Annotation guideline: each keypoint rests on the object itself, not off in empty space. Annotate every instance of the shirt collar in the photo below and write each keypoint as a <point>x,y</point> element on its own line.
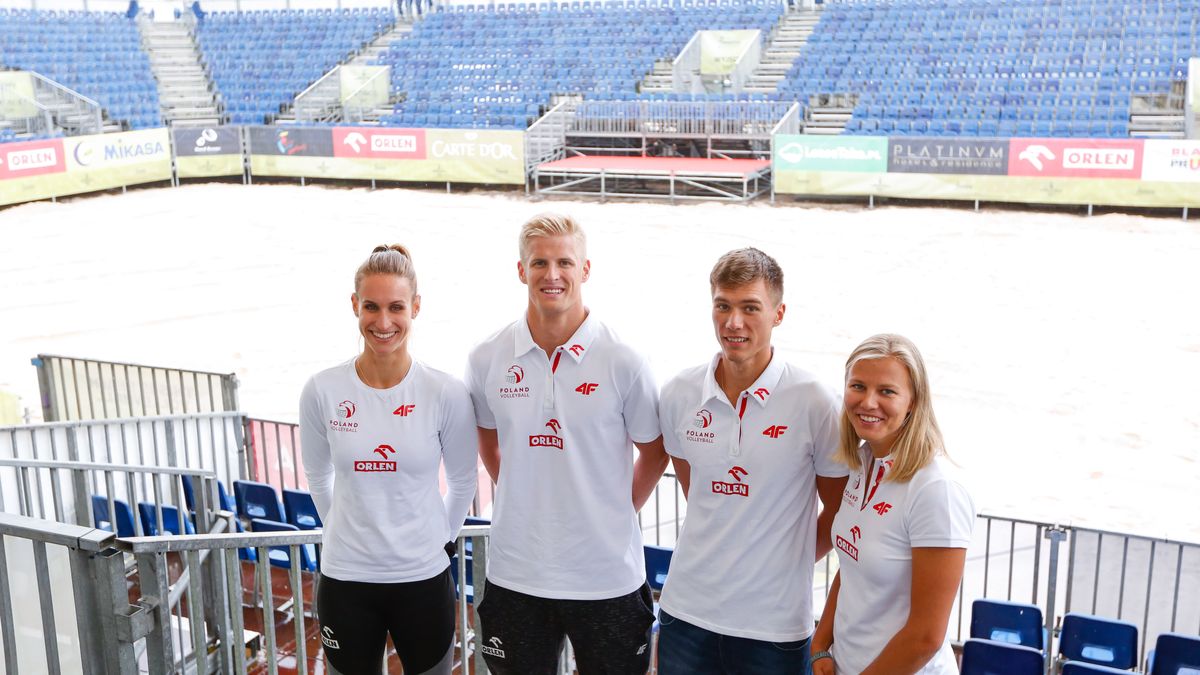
<point>576,347</point>
<point>760,391</point>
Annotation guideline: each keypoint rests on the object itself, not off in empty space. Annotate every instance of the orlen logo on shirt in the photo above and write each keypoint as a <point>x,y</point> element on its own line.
<point>376,466</point>
<point>344,410</point>
<point>739,488</point>
<point>847,548</point>
<point>552,440</point>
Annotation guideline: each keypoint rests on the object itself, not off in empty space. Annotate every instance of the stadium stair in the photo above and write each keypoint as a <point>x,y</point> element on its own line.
<point>185,92</point>
<point>783,48</point>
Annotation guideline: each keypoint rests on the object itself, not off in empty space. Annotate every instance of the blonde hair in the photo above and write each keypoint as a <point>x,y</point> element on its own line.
<point>394,259</point>
<point>552,225</point>
<point>920,439</point>
<point>745,266</point>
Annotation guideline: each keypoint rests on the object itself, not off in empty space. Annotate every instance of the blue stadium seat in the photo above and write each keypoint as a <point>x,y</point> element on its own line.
<point>1175,654</point>
<point>170,517</point>
<point>1011,622</point>
<point>257,500</point>
<point>281,556</point>
<point>985,657</point>
<point>102,519</point>
<point>1097,640</point>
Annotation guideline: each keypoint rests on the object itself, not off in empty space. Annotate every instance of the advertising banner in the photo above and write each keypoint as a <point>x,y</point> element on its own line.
<point>406,155</point>
<point>292,141</point>
<point>720,49</point>
<point>211,151</point>
<point>364,86</point>
<point>16,95</point>
<point>948,155</point>
<point>31,158</point>
<point>1075,158</point>
<point>865,154</point>
<point>1171,161</point>
<point>78,164</point>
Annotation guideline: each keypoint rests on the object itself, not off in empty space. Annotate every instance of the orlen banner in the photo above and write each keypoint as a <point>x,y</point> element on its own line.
<point>1075,158</point>
<point>208,151</point>
<point>383,153</point>
<point>25,169</point>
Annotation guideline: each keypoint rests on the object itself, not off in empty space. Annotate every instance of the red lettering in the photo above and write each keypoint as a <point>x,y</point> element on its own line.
<point>545,441</point>
<point>739,489</point>
<point>847,548</point>
<point>774,431</point>
<point>587,388</point>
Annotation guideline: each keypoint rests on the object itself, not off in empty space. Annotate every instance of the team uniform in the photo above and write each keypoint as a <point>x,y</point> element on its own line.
<point>372,458</point>
<point>564,527</point>
<point>742,567</point>
<point>875,530</point>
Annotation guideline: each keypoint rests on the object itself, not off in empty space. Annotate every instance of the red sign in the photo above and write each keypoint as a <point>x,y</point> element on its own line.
<point>31,158</point>
<point>378,143</point>
<point>1075,158</point>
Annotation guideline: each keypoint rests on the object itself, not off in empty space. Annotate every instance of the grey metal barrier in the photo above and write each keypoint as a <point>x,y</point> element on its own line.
<point>662,515</point>
<point>210,441</point>
<point>48,569</point>
<point>741,119</point>
<point>273,453</point>
<point>84,389</point>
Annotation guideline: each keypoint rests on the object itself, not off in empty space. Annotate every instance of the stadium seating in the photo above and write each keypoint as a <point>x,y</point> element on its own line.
<point>281,556</point>
<point>257,500</point>
<point>261,60</point>
<point>497,66</point>
<point>1012,622</point>
<point>300,509</point>
<point>1097,640</point>
<point>170,517</point>
<point>985,657</point>
<point>102,519</point>
<point>984,68</point>
<point>1175,654</point>
<point>96,54</point>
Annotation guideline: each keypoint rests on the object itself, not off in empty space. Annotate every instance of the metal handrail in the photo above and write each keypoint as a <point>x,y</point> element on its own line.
<point>123,420</point>
<point>50,532</point>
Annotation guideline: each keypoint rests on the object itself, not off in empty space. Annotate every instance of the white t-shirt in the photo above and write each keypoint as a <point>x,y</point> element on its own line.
<point>563,525</point>
<point>874,532</point>
<point>372,459</point>
<point>743,565</point>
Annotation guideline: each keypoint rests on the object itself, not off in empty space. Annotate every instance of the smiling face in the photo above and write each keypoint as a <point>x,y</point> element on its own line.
<point>878,400</point>
<point>385,305</point>
<point>554,271</point>
<point>743,319</point>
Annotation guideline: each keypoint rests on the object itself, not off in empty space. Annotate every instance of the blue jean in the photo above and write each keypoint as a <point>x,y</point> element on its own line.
<point>687,649</point>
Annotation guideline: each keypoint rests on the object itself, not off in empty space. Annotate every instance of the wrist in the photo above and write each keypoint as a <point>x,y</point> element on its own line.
<point>820,654</point>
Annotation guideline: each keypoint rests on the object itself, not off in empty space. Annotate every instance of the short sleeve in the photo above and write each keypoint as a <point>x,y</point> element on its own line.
<point>941,515</point>
<point>825,435</point>
<point>475,378</point>
<point>640,406</point>
<point>668,415</point>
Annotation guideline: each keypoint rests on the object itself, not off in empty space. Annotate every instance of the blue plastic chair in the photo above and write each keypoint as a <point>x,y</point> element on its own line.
<point>170,516</point>
<point>1094,639</point>
<point>257,500</point>
<point>126,527</point>
<point>658,563</point>
<point>1015,623</point>
<point>300,509</point>
<point>1081,668</point>
<point>280,556</point>
<point>1175,654</point>
<point>985,657</point>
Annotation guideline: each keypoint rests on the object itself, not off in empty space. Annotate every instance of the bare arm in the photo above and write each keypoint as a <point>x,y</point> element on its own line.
<point>935,576</point>
<point>647,469</point>
<point>489,452</point>
<point>683,473</point>
<point>829,491</point>
<point>822,639</point>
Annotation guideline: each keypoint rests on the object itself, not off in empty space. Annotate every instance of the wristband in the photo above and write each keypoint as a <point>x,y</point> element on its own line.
<point>817,656</point>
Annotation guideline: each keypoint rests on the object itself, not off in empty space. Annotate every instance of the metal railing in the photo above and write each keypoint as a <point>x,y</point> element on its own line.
<point>744,119</point>
<point>364,99</point>
<point>685,68</point>
<point>83,389</point>
<point>273,453</point>
<point>747,63</point>
<point>322,100</point>
<point>22,114</point>
<point>546,139</point>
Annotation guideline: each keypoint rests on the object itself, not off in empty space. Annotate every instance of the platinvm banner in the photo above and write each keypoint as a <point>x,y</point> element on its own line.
<point>948,155</point>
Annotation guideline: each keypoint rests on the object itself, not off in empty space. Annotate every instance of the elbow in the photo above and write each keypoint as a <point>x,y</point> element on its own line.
<point>926,643</point>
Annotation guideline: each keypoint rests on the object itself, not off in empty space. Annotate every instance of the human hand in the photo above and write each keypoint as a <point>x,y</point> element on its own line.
<point>824,667</point>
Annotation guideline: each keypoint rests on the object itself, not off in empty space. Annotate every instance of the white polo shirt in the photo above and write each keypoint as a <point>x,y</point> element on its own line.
<point>743,565</point>
<point>372,459</point>
<point>874,532</point>
<point>563,524</point>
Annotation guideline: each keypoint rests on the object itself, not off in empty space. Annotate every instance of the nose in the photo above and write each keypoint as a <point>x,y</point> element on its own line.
<point>734,322</point>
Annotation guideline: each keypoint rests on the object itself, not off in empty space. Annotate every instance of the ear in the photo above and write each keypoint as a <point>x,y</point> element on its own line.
<point>416,306</point>
<point>779,313</point>
<point>354,303</point>
<point>587,269</point>
<point>521,272</point>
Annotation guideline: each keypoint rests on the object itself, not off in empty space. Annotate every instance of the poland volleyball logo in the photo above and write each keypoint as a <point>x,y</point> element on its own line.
<point>703,419</point>
<point>515,375</point>
<point>345,410</point>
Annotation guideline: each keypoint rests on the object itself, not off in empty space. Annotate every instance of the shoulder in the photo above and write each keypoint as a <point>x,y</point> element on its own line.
<point>331,377</point>
<point>493,343</point>
<point>939,479</point>
<point>685,384</point>
<point>806,389</point>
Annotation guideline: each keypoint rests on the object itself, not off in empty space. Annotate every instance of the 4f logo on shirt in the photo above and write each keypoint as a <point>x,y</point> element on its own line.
<point>882,508</point>
<point>775,430</point>
<point>587,388</point>
<point>762,393</point>
<point>552,440</point>
<point>739,488</point>
<point>376,466</point>
<point>404,410</point>
<point>494,647</point>
<point>575,349</point>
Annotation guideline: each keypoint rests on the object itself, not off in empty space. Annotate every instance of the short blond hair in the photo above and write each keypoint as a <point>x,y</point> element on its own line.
<point>745,266</point>
<point>552,225</point>
<point>920,439</point>
<point>391,259</point>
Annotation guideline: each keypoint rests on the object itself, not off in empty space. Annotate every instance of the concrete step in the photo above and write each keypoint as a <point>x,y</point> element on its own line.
<point>823,131</point>
<point>211,121</point>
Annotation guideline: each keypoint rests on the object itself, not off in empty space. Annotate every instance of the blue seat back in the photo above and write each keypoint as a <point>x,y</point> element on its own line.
<point>170,517</point>
<point>126,527</point>
<point>985,657</point>
<point>658,563</point>
<point>281,555</point>
<point>300,509</point>
<point>1176,654</point>
<point>1081,668</point>
<point>1016,623</point>
<point>257,500</point>
<point>1094,639</point>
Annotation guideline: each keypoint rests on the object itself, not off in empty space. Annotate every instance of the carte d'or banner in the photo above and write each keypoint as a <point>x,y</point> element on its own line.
<point>403,155</point>
<point>78,164</point>
<point>207,152</point>
<point>1115,172</point>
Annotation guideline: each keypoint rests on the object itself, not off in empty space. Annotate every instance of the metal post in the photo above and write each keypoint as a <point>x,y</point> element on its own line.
<point>112,601</point>
<point>87,617</point>
<point>1056,535</point>
<point>479,548</point>
<point>152,573</point>
<point>50,392</point>
<point>79,486</point>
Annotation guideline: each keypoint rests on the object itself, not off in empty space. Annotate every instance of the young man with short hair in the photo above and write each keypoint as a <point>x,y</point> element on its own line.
<point>752,440</point>
<point>558,398</point>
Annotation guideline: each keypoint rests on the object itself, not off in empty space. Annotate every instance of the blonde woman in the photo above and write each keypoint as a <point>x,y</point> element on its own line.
<point>903,527</point>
